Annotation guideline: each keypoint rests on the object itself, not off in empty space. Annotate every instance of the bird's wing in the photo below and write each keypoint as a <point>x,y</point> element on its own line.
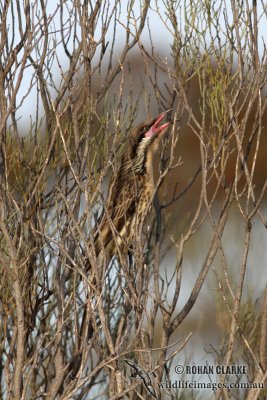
<point>117,214</point>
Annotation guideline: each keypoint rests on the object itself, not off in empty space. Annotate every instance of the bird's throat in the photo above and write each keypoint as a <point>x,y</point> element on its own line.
<point>149,171</point>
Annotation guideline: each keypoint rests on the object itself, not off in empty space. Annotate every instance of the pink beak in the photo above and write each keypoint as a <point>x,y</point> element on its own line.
<point>155,128</point>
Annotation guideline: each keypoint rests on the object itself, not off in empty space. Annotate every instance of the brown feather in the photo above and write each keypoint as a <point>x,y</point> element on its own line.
<point>130,192</point>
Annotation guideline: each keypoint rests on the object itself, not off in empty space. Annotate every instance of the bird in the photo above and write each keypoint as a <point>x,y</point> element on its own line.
<point>128,202</point>
<point>131,189</point>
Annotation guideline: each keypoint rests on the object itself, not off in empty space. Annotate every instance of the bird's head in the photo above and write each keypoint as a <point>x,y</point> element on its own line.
<point>143,139</point>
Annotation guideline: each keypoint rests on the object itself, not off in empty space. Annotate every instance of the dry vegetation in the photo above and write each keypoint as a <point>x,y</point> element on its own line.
<point>54,178</point>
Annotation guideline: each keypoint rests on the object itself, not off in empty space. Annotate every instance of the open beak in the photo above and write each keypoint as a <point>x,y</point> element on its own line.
<point>155,129</point>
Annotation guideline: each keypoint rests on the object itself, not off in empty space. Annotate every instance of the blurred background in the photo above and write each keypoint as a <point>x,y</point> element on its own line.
<point>206,318</point>
<point>145,84</point>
